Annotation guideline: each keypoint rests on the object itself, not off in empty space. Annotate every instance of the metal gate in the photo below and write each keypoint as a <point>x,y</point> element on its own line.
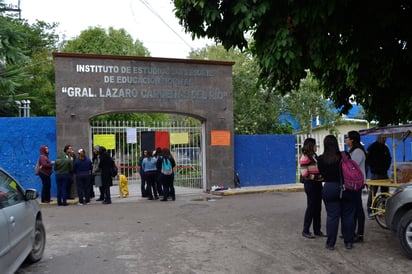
<point>188,155</point>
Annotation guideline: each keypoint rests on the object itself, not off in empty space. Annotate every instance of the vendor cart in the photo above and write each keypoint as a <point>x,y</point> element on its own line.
<point>398,135</point>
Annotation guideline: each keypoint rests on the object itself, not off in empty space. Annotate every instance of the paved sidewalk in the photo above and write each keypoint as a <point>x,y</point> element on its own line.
<point>134,192</point>
<point>259,189</point>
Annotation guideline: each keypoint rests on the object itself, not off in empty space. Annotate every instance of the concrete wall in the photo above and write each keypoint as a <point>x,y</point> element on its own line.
<point>91,85</point>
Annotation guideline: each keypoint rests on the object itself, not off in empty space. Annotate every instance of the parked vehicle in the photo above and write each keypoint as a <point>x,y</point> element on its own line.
<point>22,233</point>
<point>398,215</point>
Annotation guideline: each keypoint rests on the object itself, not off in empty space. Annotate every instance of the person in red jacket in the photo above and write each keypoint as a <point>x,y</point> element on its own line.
<point>45,173</point>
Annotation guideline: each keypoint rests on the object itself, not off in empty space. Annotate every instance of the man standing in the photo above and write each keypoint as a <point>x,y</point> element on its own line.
<point>379,161</point>
<point>68,149</point>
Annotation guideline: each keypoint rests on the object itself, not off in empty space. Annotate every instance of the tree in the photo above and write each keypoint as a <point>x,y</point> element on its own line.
<point>97,40</point>
<point>39,85</point>
<point>12,56</point>
<point>256,110</point>
<point>26,66</point>
<point>307,104</point>
<point>358,48</point>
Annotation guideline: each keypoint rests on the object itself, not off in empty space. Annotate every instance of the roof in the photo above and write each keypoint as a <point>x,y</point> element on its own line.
<point>399,132</point>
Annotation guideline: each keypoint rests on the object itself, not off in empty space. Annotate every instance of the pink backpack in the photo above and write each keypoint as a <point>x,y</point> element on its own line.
<point>351,173</point>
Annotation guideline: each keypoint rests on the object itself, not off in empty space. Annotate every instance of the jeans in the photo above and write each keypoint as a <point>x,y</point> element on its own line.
<point>339,206</point>
<point>61,182</point>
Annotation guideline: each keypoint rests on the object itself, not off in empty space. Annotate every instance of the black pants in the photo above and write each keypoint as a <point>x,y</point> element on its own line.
<point>313,192</point>
<point>83,189</point>
<point>168,186</point>
<point>151,189</point>
<point>46,187</point>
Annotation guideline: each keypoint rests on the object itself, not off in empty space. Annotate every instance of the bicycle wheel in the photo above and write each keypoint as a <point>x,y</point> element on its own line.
<point>379,209</point>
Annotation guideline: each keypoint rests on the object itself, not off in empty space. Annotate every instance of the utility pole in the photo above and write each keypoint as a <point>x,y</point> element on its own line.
<point>13,8</point>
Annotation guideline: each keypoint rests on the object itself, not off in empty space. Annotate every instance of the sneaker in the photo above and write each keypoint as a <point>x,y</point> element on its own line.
<point>80,204</point>
<point>370,216</point>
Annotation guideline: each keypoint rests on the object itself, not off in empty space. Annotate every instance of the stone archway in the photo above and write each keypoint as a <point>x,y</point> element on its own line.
<point>91,85</point>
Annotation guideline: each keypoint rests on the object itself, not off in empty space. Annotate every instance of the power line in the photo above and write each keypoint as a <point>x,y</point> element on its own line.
<point>152,10</point>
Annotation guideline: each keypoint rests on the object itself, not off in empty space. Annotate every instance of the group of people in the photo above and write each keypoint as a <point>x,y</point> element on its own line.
<point>156,173</point>
<point>322,179</point>
<point>69,168</point>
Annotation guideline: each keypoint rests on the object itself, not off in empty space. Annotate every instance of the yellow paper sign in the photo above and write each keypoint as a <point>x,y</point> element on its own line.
<point>220,138</point>
<point>106,140</point>
<point>179,138</point>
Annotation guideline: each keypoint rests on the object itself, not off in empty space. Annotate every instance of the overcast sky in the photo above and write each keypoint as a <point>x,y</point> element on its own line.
<point>142,19</point>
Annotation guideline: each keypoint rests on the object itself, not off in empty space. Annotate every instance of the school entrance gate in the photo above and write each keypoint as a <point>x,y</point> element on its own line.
<point>185,140</point>
<point>92,85</point>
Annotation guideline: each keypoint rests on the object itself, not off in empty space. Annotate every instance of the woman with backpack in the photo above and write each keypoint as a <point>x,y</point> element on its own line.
<point>358,154</point>
<point>166,165</point>
<point>339,204</point>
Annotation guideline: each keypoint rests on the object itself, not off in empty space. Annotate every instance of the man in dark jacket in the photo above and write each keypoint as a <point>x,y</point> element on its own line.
<point>379,161</point>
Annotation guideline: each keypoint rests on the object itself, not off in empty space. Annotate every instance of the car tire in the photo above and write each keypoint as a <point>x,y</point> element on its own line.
<point>405,233</point>
<point>39,243</point>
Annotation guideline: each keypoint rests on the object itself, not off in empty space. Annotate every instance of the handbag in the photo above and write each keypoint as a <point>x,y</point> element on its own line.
<point>37,168</point>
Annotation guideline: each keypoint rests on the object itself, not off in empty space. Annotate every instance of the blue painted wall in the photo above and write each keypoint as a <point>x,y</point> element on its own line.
<point>20,141</point>
<point>259,160</point>
<point>265,159</point>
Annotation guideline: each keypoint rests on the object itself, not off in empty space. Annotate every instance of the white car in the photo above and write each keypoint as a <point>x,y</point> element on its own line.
<point>22,233</point>
<point>398,214</point>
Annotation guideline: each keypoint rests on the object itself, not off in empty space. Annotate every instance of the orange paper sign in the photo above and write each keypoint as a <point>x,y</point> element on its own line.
<point>220,138</point>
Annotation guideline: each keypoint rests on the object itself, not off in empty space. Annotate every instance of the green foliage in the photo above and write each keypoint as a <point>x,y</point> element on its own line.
<point>146,118</point>
<point>358,48</point>
<point>256,110</point>
<point>307,103</point>
<point>21,68</point>
<point>97,40</point>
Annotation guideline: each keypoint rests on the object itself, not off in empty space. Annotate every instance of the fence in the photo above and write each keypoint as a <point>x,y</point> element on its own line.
<point>127,151</point>
<point>300,138</point>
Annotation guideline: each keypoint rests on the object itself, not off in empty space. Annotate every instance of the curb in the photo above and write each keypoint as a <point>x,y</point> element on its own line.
<point>240,191</point>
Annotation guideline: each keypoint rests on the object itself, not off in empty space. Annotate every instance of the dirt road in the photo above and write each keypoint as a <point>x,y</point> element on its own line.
<point>254,233</point>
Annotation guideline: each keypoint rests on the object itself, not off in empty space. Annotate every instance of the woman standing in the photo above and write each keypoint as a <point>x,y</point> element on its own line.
<point>167,176</point>
<point>63,168</point>
<point>150,173</point>
<point>143,185</point>
<point>339,204</point>
<point>312,181</point>
<point>358,154</point>
<point>106,165</point>
<point>82,168</point>
<point>45,173</point>
<point>97,172</point>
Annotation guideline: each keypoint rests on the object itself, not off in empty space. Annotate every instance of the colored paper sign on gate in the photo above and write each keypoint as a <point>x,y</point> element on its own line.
<point>106,140</point>
<point>131,135</point>
<point>179,138</point>
<point>220,138</point>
